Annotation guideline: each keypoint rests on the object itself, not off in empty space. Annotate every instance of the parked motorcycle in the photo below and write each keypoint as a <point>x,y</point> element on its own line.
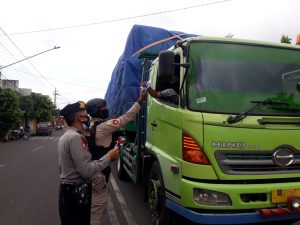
<point>13,135</point>
<point>23,134</point>
<point>17,134</point>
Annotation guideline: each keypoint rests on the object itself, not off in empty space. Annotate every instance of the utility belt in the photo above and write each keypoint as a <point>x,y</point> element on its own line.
<point>81,192</point>
<point>67,187</point>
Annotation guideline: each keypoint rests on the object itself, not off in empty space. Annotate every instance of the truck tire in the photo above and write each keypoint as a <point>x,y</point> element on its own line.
<point>156,197</point>
<point>121,173</point>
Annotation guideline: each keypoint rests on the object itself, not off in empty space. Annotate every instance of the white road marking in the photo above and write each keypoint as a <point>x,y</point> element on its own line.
<point>128,216</point>
<point>1,165</point>
<point>44,138</point>
<point>38,148</point>
<point>112,212</point>
<point>36,138</point>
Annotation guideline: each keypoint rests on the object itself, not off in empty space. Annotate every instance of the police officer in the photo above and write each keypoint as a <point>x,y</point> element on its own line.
<point>75,165</point>
<point>97,109</point>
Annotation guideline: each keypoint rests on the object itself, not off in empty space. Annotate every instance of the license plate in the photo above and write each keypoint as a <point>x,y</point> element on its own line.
<point>281,195</point>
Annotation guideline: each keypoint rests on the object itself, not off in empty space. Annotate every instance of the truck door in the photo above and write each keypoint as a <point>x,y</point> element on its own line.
<point>164,135</point>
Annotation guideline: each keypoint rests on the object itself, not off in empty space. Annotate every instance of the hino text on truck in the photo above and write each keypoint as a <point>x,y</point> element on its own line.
<point>228,151</point>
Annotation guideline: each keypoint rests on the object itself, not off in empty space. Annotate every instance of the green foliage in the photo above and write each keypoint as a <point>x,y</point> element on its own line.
<point>9,110</point>
<point>285,39</point>
<point>42,107</point>
<point>55,112</point>
<point>13,106</point>
<point>26,105</point>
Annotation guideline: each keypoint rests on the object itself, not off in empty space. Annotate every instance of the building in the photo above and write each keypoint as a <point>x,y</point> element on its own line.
<point>11,84</point>
<point>25,91</point>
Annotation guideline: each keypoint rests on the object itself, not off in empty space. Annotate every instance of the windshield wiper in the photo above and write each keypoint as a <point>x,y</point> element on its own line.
<point>242,115</point>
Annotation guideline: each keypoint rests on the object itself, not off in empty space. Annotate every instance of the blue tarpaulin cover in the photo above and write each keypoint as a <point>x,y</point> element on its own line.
<point>124,86</point>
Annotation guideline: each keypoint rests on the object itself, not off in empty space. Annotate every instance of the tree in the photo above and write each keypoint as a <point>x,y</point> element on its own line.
<point>285,39</point>
<point>9,110</point>
<point>42,107</point>
<point>56,112</point>
<point>26,105</point>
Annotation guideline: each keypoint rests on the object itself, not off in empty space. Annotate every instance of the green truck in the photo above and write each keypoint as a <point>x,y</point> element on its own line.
<point>228,152</point>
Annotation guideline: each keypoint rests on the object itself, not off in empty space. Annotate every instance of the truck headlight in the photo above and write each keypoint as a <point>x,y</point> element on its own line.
<point>211,198</point>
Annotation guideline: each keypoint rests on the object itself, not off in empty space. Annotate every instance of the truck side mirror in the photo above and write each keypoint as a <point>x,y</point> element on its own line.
<point>165,69</point>
<point>166,65</point>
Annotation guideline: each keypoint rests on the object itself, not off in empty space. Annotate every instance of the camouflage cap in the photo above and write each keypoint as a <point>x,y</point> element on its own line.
<point>73,108</point>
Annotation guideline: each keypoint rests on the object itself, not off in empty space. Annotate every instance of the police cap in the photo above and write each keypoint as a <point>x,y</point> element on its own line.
<point>73,108</point>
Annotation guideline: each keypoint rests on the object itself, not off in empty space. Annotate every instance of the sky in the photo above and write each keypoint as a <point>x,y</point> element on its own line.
<point>92,34</point>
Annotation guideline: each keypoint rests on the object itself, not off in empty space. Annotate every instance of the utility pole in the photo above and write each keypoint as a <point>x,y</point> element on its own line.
<point>55,93</point>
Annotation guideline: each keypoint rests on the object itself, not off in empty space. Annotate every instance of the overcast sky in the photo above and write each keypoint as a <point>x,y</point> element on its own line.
<point>92,35</point>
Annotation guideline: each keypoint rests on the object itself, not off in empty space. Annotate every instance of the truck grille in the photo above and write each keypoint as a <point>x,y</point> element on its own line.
<point>254,162</point>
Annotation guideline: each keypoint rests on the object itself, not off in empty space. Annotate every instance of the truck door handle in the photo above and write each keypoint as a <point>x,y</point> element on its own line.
<point>154,124</point>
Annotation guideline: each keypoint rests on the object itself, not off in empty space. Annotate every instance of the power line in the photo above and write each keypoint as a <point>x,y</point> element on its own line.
<point>20,77</point>
<point>25,56</point>
<point>75,84</point>
<point>16,60</point>
<point>62,81</point>
<point>121,19</point>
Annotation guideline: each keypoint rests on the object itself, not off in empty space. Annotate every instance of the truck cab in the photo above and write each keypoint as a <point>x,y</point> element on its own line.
<point>229,150</point>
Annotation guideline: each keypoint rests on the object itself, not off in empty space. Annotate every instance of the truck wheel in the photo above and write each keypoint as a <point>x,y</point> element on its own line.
<point>121,173</point>
<point>156,197</point>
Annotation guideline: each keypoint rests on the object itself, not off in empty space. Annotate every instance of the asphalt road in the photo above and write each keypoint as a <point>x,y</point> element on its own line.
<point>29,181</point>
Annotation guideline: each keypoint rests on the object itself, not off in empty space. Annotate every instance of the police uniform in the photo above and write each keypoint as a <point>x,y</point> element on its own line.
<point>104,130</point>
<point>103,138</point>
<point>75,167</point>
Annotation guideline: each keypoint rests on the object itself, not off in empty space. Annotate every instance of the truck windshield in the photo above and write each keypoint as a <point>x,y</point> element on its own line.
<point>228,78</point>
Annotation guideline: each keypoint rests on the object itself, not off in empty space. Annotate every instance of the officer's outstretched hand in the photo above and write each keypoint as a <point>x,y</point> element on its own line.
<point>143,95</point>
<point>114,153</point>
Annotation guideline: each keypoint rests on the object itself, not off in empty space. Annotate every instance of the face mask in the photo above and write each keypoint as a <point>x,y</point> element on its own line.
<point>87,122</point>
<point>83,119</point>
<point>103,113</point>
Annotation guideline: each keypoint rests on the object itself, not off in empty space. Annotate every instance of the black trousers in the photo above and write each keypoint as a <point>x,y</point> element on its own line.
<point>69,211</point>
